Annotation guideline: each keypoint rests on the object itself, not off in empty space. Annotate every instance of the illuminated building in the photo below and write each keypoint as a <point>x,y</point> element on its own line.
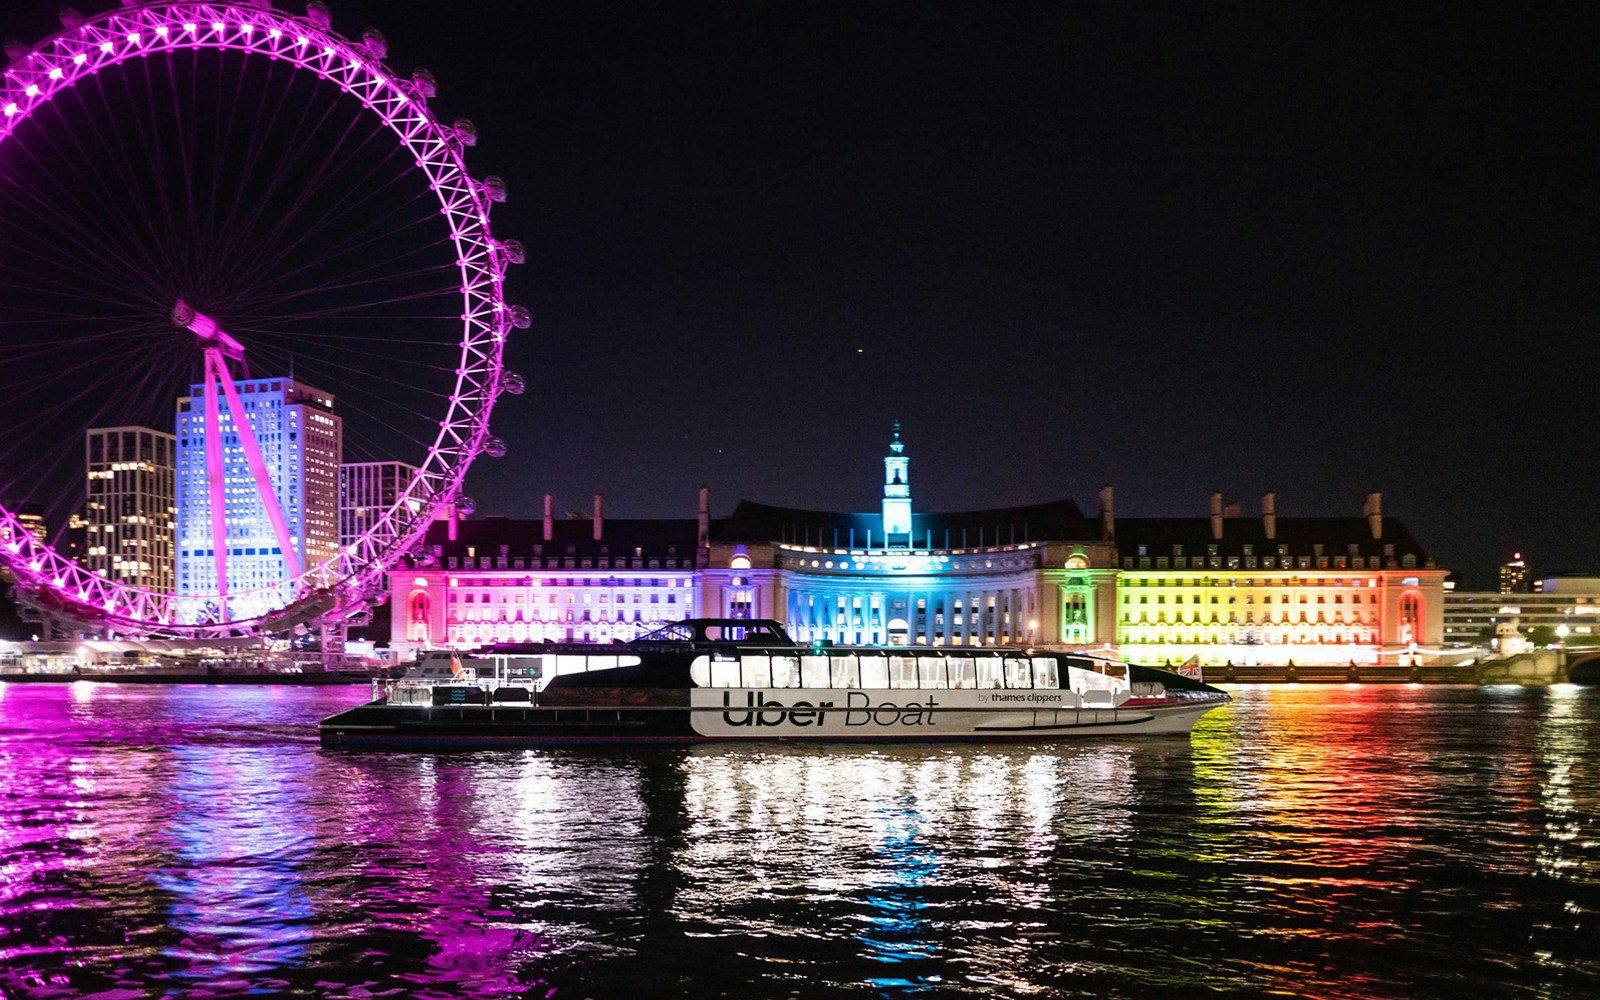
<point>130,513</point>
<point>1272,589</point>
<point>1155,590</point>
<point>583,580</point>
<point>366,490</point>
<point>1514,575</point>
<point>301,443</point>
<point>32,519</point>
<point>1566,607</point>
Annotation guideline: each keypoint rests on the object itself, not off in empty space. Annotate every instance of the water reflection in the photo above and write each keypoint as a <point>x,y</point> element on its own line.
<point>1342,842</point>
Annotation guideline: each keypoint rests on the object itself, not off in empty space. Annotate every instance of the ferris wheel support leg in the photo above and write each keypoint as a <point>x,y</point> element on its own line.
<point>258,469</point>
<point>214,479</point>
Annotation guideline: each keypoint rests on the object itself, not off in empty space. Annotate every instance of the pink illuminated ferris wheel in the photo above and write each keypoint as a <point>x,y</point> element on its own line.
<point>251,318</point>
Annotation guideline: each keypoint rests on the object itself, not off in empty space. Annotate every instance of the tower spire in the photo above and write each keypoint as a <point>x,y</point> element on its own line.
<point>896,491</point>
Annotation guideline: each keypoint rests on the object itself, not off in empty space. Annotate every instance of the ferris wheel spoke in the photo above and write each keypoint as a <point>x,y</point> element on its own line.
<point>273,250</point>
<point>112,266</point>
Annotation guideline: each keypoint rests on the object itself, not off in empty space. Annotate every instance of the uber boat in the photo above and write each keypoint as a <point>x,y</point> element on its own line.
<point>741,679</point>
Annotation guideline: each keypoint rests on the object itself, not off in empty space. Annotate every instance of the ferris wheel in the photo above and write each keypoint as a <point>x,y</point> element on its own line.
<point>239,256</point>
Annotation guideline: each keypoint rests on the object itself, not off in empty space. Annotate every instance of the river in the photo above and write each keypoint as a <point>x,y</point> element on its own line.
<point>1343,841</point>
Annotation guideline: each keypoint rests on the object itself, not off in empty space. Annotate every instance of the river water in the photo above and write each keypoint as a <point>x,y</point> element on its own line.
<point>1356,841</point>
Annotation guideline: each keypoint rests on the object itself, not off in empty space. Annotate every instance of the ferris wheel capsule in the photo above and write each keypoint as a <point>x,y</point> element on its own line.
<point>14,49</point>
<point>515,252</point>
<point>318,14</point>
<point>494,187</point>
<point>70,18</point>
<point>423,83</point>
<point>466,506</point>
<point>466,133</point>
<point>521,318</point>
<point>373,41</point>
<point>513,383</point>
<point>494,447</point>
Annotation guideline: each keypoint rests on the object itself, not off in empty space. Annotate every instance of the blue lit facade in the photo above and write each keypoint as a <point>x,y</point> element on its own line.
<point>301,441</point>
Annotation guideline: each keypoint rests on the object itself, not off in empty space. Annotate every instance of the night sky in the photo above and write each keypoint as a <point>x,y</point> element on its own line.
<point>1319,249</point>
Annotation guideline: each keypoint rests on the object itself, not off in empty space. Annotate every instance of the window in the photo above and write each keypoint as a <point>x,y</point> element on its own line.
<point>845,671</point>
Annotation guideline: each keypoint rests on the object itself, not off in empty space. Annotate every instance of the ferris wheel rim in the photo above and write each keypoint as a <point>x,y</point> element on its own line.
<point>88,45</point>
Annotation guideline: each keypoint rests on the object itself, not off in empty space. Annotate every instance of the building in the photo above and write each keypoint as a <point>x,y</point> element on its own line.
<point>584,580</point>
<point>1155,590</point>
<point>31,517</point>
<point>1561,609</point>
<point>366,490</point>
<point>301,443</point>
<point>1303,590</point>
<point>1514,575</point>
<point>130,511</point>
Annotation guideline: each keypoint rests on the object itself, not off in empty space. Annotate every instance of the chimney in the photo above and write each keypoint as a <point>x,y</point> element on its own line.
<point>549,519</point>
<point>1216,516</point>
<point>1373,508</point>
<point>1108,517</point>
<point>1269,515</point>
<point>703,525</point>
<point>599,521</point>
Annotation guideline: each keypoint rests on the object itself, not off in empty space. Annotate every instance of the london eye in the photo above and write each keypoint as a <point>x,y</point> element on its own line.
<point>237,250</point>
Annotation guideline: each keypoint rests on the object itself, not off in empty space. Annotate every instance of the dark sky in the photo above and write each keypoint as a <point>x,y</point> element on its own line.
<point>1320,249</point>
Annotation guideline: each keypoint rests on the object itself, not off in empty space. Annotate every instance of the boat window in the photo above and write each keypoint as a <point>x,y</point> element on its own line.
<point>1019,672</point>
<point>785,671</point>
<point>846,671</point>
<point>602,662</point>
<point>814,671</point>
<point>725,673</point>
<point>1044,672</point>
<point>874,671</point>
<point>700,671</point>
<point>757,670</point>
<point>903,671</point>
<point>961,672</point>
<point>989,675</point>
<point>571,664</point>
<point>930,671</point>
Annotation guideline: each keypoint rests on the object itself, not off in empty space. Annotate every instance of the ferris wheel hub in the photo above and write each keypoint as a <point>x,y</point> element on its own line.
<point>212,336</point>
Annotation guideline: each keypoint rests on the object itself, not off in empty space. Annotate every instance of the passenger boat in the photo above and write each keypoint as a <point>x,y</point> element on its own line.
<point>741,679</point>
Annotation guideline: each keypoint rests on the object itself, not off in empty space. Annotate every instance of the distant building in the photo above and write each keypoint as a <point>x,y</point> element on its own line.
<point>130,512</point>
<point>32,518</point>
<point>1221,588</point>
<point>366,490</point>
<point>1567,607</point>
<point>301,442</point>
<point>1514,575</point>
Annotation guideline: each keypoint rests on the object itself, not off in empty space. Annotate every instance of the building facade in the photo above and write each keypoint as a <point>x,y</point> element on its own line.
<point>131,511</point>
<point>1221,588</point>
<point>1560,609</point>
<point>499,580</point>
<point>301,442</point>
<point>366,490</point>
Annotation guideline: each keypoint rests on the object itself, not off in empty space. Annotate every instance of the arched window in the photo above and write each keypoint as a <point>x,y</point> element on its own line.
<point>1410,617</point>
<point>417,608</point>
